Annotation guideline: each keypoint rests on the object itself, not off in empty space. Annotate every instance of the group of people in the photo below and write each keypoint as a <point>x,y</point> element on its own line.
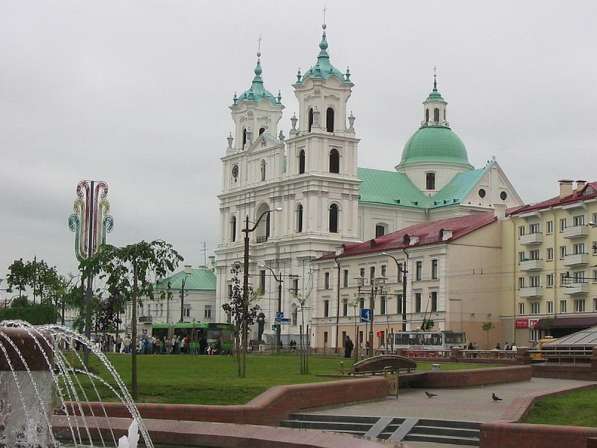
<point>151,345</point>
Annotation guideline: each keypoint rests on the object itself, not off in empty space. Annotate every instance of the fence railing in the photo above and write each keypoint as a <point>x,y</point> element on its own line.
<point>564,355</point>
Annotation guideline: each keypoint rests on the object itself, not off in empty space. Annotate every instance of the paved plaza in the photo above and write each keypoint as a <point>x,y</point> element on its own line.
<point>463,404</point>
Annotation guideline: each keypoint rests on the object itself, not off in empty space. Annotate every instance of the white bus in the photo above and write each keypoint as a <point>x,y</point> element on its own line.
<point>429,340</point>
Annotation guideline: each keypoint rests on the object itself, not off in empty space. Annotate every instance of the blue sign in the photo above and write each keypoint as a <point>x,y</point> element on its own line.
<point>279,315</point>
<point>366,315</point>
<point>285,321</point>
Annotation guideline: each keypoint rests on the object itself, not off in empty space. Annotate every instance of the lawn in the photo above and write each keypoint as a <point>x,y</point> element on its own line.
<point>576,408</point>
<point>214,380</point>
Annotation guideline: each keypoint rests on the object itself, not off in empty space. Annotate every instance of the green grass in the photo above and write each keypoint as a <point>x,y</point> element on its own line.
<point>576,408</point>
<point>214,379</point>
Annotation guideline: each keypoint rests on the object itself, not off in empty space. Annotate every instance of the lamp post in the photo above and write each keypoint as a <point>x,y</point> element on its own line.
<point>188,271</point>
<point>247,230</point>
<point>401,270</point>
<point>355,305</point>
<point>279,280</point>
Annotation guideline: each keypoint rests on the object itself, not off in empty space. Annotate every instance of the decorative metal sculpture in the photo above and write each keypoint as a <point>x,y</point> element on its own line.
<point>91,220</point>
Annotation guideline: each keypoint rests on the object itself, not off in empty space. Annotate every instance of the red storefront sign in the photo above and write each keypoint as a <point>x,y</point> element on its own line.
<point>521,323</point>
<point>533,323</point>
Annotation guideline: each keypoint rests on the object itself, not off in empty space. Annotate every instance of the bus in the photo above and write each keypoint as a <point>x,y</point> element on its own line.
<point>217,335</point>
<point>429,340</point>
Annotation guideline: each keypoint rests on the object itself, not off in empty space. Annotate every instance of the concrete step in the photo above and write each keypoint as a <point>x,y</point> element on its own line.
<point>333,418</point>
<point>449,423</point>
<point>445,431</point>
<point>351,427</point>
<point>469,441</point>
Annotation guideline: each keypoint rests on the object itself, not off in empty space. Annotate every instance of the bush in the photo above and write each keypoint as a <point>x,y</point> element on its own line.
<point>38,314</point>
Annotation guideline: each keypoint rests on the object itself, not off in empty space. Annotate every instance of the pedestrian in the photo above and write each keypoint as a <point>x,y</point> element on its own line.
<point>348,346</point>
<point>498,346</point>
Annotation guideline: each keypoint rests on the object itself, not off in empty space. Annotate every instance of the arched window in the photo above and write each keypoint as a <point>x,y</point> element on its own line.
<point>430,181</point>
<point>263,229</point>
<point>310,118</point>
<point>261,131</point>
<point>426,115</point>
<point>233,229</point>
<point>262,170</point>
<point>436,114</point>
<point>333,218</point>
<point>334,161</point>
<point>299,218</point>
<point>329,120</point>
<point>302,161</point>
<point>244,136</point>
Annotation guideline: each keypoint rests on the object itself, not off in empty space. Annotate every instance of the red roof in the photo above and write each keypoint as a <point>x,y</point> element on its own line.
<point>426,233</point>
<point>588,192</point>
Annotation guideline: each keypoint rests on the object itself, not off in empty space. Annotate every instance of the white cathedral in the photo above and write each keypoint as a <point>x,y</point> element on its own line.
<point>318,196</point>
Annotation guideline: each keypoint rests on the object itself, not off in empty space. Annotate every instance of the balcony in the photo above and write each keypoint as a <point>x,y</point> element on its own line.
<point>576,259</point>
<point>575,288</point>
<point>531,238</point>
<point>575,232</point>
<point>531,265</point>
<point>531,291</point>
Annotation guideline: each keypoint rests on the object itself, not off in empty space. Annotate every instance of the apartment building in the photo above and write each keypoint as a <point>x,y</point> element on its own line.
<point>453,278</point>
<point>550,265</point>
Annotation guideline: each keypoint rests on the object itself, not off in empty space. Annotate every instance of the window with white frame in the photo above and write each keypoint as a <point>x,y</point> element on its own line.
<point>562,224</point>
<point>549,280</point>
<point>563,306</point>
<point>579,248</point>
<point>326,280</point>
<point>579,305</point>
<point>534,228</point>
<point>595,275</point>
<point>521,256</point>
<point>534,254</point>
<point>521,230</point>
<point>521,308</point>
<point>549,253</point>
<point>326,308</point>
<point>549,226</point>
<point>207,312</point>
<point>384,269</point>
<point>562,251</point>
<point>535,308</point>
<point>549,304</point>
<point>521,282</point>
<point>534,281</point>
<point>578,220</point>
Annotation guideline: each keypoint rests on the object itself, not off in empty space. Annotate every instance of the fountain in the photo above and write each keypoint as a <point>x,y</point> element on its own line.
<point>41,374</point>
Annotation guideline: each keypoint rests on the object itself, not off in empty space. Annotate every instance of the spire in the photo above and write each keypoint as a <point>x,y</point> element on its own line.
<point>434,78</point>
<point>323,45</point>
<point>258,70</point>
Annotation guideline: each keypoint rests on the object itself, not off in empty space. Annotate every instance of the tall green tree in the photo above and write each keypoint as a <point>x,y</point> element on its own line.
<point>131,271</point>
<point>19,276</point>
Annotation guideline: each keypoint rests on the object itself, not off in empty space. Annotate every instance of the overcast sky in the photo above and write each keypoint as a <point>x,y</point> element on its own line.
<point>136,93</point>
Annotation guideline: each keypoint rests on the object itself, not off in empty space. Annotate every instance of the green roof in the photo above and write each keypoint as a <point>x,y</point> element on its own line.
<point>394,188</point>
<point>389,187</point>
<point>200,279</point>
<point>324,69</point>
<point>434,144</point>
<point>257,91</point>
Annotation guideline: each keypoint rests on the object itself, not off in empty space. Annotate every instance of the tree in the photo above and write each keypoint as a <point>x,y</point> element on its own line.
<point>43,280</point>
<point>18,276</point>
<point>242,317</point>
<point>487,327</point>
<point>129,271</point>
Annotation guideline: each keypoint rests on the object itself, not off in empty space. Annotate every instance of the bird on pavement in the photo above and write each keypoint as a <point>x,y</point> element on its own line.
<point>430,395</point>
<point>494,397</point>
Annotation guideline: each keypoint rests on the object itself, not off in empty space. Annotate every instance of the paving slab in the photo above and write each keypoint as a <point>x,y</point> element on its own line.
<point>462,404</point>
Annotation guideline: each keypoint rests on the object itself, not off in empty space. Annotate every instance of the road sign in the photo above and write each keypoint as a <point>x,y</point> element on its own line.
<point>366,315</point>
<point>279,315</point>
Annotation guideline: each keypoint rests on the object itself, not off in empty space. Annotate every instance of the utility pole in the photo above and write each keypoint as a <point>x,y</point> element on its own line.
<point>337,303</point>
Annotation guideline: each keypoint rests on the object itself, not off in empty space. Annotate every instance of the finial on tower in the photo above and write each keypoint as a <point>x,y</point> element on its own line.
<point>324,26</point>
<point>434,78</point>
<point>259,46</point>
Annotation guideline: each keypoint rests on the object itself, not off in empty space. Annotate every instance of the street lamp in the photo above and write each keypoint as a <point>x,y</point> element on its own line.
<point>404,271</point>
<point>277,278</point>
<point>188,271</point>
<point>247,230</point>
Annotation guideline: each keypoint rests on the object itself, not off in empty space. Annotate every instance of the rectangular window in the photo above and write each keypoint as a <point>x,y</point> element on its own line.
<point>535,281</point>
<point>419,270</point>
<point>521,257</point>
<point>562,252</point>
<point>295,287</point>
<point>579,305</point>
<point>384,270</point>
<point>401,269</point>
<point>433,301</point>
<point>550,253</point>
<point>380,230</point>
<point>562,224</point>
<point>534,228</point>
<point>521,282</point>
<point>535,308</point>
<point>579,248</point>
<point>262,280</point>
<point>594,220</point>
<point>562,306</point>
<point>372,275</point>
<point>549,226</point>
<point>326,280</point>
<point>362,273</point>
<point>345,307</point>
<point>578,220</point>
<point>563,278</point>
<point>579,277</point>
<point>549,307</point>
<point>345,279</point>
<point>521,230</point>
<point>434,269</point>
<point>207,312</point>
<point>382,310</point>
<point>430,180</point>
<point>325,338</point>
<point>361,303</point>
<point>417,302</point>
<point>326,308</point>
<point>534,254</point>
<point>521,308</point>
<point>549,280</point>
<point>361,337</point>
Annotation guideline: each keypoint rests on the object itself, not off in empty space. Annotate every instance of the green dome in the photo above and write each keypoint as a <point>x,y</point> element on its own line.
<point>434,144</point>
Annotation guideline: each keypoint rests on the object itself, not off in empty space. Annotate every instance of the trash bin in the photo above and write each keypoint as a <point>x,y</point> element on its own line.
<point>435,367</point>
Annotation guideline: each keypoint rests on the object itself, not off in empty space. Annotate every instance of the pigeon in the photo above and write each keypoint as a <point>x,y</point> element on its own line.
<point>430,395</point>
<point>494,397</point>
